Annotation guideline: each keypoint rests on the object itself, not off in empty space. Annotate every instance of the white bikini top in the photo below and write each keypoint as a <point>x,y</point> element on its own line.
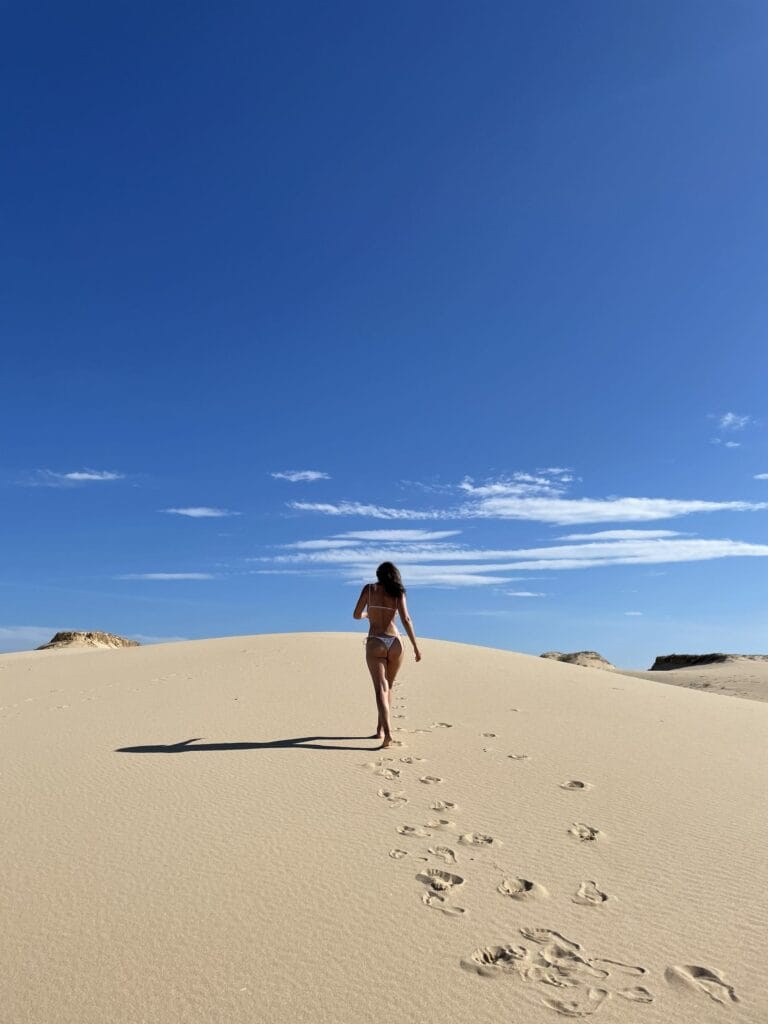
<point>385,607</point>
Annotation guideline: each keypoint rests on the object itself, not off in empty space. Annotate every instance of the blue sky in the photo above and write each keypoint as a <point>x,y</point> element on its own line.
<point>494,272</point>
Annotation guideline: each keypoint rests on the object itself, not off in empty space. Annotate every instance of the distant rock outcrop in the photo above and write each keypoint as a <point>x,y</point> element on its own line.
<point>587,659</point>
<point>665,662</point>
<point>89,639</point>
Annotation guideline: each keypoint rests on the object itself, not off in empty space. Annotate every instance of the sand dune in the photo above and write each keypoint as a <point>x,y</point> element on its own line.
<point>201,832</point>
<point>738,676</point>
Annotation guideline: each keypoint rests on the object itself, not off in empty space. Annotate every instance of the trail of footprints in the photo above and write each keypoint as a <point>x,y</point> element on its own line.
<point>566,978</point>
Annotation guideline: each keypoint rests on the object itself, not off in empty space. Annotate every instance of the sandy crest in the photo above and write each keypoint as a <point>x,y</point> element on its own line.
<point>739,677</point>
<point>197,832</point>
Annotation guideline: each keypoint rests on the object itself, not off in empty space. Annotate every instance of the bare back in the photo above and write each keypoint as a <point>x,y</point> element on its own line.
<point>382,609</point>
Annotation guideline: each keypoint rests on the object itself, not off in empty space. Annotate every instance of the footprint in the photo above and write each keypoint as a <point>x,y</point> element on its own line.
<point>476,839</point>
<point>493,960</point>
<point>430,780</point>
<point>586,833</point>
<point>702,979</point>
<point>619,967</point>
<point>442,725</point>
<point>521,888</point>
<point>414,831</point>
<point>438,902</point>
<point>490,735</point>
<point>542,935</point>
<point>445,853</point>
<point>636,995</point>
<point>440,823</point>
<point>443,805</point>
<point>584,1005</point>
<point>576,785</point>
<point>439,880</point>
<point>589,894</point>
<point>393,799</point>
<point>519,757</point>
<point>411,760</point>
<point>398,854</point>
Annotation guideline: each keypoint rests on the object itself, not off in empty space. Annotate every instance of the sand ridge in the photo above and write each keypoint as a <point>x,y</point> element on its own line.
<point>589,848</point>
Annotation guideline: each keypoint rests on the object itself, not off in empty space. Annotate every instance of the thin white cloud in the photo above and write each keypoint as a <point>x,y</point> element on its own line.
<point>555,510</point>
<point>622,535</point>
<point>760,476</point>
<point>523,593</point>
<point>398,535</point>
<point>49,478</point>
<point>166,576</point>
<point>633,613</point>
<point>733,421</point>
<point>200,512</point>
<point>357,508</point>
<point>296,476</point>
<point>575,511</point>
<point>322,545</point>
<point>24,638</point>
<point>431,557</point>
<point>517,484</point>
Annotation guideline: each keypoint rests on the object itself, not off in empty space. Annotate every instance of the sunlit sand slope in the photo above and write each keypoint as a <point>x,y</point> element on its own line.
<point>200,833</point>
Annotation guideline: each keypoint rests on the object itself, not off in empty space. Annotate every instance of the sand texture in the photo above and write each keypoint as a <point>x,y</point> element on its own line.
<point>199,833</point>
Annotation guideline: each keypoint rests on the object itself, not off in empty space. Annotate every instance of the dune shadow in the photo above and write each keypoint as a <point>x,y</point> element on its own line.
<point>297,742</point>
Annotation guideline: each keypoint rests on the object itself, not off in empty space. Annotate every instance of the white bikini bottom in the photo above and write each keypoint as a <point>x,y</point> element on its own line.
<point>386,640</point>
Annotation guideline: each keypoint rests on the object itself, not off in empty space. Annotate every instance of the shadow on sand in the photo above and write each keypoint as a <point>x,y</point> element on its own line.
<point>299,742</point>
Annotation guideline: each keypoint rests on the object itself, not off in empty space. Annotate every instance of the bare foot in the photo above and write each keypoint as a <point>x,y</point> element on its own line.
<point>387,742</point>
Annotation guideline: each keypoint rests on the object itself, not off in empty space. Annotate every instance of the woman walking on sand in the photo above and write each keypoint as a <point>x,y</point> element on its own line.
<point>380,603</point>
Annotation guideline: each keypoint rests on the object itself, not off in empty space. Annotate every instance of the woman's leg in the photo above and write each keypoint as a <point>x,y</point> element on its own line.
<point>394,661</point>
<point>376,659</point>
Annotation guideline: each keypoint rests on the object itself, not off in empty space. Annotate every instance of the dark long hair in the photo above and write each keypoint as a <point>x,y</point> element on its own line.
<point>388,576</point>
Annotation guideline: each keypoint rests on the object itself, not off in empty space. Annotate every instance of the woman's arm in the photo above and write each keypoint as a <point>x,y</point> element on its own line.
<point>405,618</point>
<point>362,601</point>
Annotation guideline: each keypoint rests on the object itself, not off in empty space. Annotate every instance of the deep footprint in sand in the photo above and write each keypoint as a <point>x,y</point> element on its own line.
<point>439,823</point>
<point>575,785</point>
<point>585,833</point>
<point>445,853</point>
<point>413,831</point>
<point>589,895</point>
<point>519,757</point>
<point>398,854</point>
<point>393,799</point>
<point>410,759</point>
<point>477,839</point>
<point>706,980</point>
<point>439,880</point>
<point>636,995</point>
<point>442,725</point>
<point>430,780</point>
<point>438,902</point>
<point>490,735</point>
<point>521,888</point>
<point>443,805</point>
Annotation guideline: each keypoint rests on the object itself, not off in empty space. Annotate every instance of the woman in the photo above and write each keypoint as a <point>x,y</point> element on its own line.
<point>383,648</point>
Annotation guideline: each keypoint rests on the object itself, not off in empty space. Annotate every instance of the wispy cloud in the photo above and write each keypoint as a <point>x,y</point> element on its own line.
<point>49,478</point>
<point>622,535</point>
<point>422,561</point>
<point>761,476</point>
<point>200,512</point>
<point>733,421</point>
<point>296,476</point>
<point>166,576</point>
<point>23,638</point>
<point>558,511</point>
<point>633,613</point>
<point>725,444</point>
<point>396,536</point>
<point>523,593</point>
